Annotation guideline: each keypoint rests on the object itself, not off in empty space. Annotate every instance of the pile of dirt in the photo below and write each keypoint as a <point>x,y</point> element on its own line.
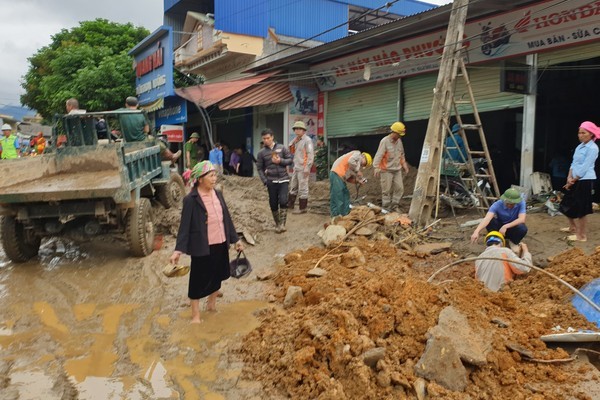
<point>370,298</point>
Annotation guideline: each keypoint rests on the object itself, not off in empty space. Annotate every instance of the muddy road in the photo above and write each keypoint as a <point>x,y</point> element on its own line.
<point>86,321</point>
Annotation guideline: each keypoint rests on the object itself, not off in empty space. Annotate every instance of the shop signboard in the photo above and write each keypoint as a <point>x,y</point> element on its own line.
<point>153,65</point>
<point>514,78</point>
<point>174,133</point>
<point>173,112</point>
<point>538,27</point>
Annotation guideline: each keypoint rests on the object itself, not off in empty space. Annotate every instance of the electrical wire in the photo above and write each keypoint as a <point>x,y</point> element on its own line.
<point>574,290</point>
<point>420,62</point>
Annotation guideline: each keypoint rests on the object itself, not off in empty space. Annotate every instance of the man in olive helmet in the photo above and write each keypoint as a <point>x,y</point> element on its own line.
<point>389,162</point>
<point>304,156</point>
<point>495,273</point>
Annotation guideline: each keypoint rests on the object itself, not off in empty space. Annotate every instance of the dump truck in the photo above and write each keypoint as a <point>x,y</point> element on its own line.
<point>83,185</point>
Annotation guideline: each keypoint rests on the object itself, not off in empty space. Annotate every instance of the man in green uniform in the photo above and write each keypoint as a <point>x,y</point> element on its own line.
<point>193,153</point>
<point>135,128</point>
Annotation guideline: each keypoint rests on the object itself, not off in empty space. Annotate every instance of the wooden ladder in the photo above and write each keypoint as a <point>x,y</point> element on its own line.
<point>483,198</point>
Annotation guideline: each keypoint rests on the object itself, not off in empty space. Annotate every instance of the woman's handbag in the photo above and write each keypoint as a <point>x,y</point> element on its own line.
<point>240,267</point>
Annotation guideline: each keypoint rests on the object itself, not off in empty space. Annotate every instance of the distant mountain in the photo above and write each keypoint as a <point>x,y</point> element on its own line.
<point>17,112</point>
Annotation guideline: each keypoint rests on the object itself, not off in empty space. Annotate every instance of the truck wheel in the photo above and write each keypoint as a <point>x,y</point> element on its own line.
<point>171,194</point>
<point>19,245</point>
<point>140,228</point>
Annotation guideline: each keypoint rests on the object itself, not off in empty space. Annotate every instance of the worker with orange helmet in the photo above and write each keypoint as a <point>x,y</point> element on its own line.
<point>389,162</point>
<point>346,168</point>
<point>495,267</point>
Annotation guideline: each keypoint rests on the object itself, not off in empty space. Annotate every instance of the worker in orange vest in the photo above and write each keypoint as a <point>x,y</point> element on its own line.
<point>388,163</point>
<point>346,168</point>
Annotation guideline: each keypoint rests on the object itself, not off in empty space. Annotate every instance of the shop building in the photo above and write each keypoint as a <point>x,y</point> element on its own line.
<point>221,39</point>
<point>533,66</point>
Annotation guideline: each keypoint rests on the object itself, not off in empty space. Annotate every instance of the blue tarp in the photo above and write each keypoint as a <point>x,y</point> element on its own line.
<point>592,292</point>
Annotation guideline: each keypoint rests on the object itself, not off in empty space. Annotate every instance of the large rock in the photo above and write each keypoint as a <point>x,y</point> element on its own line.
<point>441,363</point>
<point>333,234</point>
<point>453,327</point>
<point>293,295</point>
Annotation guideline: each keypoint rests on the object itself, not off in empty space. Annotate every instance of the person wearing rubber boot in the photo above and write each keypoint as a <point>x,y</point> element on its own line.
<point>346,168</point>
<point>303,161</point>
<point>272,162</point>
<point>389,162</point>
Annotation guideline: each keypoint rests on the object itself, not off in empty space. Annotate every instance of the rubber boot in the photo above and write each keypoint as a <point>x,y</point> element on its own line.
<point>277,220</point>
<point>291,201</point>
<point>302,208</point>
<point>282,219</point>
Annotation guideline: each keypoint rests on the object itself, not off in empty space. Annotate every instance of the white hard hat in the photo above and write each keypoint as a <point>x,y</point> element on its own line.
<point>6,127</point>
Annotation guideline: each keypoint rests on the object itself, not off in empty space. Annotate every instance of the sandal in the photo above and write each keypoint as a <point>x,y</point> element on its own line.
<point>566,229</point>
<point>573,238</point>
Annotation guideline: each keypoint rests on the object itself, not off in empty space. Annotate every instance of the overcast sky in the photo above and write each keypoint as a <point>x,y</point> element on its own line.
<point>27,25</point>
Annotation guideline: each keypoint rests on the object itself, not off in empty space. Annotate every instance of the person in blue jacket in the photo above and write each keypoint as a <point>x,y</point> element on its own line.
<point>455,146</point>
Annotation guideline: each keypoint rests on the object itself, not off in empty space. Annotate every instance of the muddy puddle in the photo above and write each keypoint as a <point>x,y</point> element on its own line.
<point>84,321</point>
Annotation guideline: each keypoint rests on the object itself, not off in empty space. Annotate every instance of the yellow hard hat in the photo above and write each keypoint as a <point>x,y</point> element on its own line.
<point>368,158</point>
<point>399,128</point>
<point>495,234</point>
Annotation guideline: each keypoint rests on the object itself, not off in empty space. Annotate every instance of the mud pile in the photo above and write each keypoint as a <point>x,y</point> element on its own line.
<point>318,346</point>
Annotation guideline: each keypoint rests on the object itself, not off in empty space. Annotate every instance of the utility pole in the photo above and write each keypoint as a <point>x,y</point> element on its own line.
<point>427,183</point>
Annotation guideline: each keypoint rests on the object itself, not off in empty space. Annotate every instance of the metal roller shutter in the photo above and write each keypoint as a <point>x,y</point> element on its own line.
<point>569,54</point>
<point>485,81</point>
<point>364,110</point>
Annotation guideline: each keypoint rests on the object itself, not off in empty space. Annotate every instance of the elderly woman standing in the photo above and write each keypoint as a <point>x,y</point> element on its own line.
<point>577,202</point>
<point>205,233</point>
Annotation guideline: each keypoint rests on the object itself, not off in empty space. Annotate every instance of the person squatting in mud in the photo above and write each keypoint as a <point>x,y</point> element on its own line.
<point>205,233</point>
<point>496,273</point>
<point>272,162</point>
<point>506,216</point>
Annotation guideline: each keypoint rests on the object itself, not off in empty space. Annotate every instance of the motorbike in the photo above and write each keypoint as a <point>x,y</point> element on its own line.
<point>493,37</point>
<point>456,192</point>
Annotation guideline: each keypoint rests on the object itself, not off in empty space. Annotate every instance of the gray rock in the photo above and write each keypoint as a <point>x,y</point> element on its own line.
<point>440,363</point>
<point>370,357</point>
<point>454,328</point>
<point>293,295</point>
<point>353,258</point>
<point>316,272</point>
<point>332,234</point>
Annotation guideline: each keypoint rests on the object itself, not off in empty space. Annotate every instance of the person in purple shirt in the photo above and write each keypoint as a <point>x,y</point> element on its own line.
<point>235,160</point>
<point>506,216</point>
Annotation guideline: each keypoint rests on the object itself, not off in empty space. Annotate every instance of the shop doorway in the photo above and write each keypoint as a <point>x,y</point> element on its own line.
<point>566,96</point>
